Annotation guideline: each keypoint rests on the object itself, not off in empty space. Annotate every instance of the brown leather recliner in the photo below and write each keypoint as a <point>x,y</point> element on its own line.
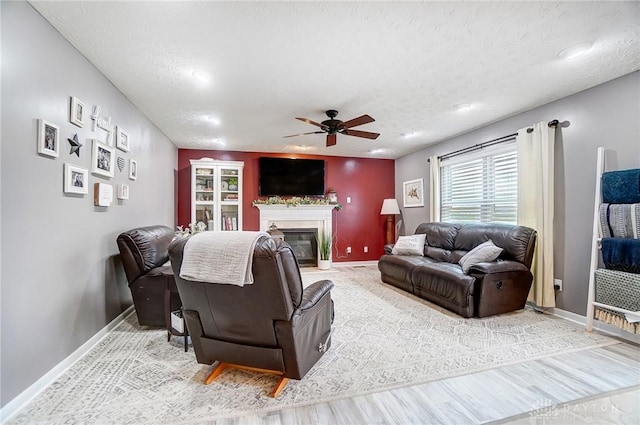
<point>144,250</point>
<point>272,325</point>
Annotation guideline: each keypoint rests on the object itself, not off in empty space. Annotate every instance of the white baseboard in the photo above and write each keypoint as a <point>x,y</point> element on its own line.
<point>597,325</point>
<point>37,387</point>
<point>354,263</point>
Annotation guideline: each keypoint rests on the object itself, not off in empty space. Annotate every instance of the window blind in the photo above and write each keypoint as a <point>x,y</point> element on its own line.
<point>481,187</point>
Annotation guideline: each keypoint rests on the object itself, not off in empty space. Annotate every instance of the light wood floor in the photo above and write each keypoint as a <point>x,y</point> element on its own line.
<point>597,386</point>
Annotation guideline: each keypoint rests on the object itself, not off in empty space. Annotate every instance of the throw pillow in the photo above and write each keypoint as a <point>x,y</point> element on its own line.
<point>409,245</point>
<point>484,252</point>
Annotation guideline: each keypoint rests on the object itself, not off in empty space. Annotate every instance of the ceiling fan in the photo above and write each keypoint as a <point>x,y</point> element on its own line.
<point>333,126</point>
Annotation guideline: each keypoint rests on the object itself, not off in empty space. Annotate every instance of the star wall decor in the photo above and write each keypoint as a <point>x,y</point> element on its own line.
<point>75,145</point>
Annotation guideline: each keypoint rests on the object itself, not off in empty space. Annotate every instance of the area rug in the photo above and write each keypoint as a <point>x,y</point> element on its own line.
<point>384,338</point>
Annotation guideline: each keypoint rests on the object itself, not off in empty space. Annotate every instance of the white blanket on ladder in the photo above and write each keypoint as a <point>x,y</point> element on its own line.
<point>220,257</point>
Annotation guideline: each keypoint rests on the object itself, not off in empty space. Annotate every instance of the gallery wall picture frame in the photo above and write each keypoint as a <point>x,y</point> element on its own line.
<point>76,179</point>
<point>48,138</point>
<point>77,112</point>
<point>133,169</point>
<point>102,194</point>
<point>413,193</point>
<point>122,139</point>
<point>103,159</point>
<point>123,191</point>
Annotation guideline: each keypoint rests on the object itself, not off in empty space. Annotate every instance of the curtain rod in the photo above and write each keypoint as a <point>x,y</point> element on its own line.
<point>503,139</point>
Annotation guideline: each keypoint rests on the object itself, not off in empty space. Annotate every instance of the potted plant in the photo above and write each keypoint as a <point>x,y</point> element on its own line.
<point>233,183</point>
<point>325,252</point>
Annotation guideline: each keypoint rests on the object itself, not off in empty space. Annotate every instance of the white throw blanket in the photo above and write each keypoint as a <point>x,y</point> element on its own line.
<point>220,257</point>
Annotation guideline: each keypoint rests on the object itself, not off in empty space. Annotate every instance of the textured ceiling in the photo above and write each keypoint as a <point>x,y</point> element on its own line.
<point>407,64</point>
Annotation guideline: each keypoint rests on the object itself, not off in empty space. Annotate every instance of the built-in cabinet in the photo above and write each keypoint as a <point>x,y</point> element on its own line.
<point>216,194</point>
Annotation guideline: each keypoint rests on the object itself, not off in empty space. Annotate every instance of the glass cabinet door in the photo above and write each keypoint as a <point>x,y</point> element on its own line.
<point>229,198</point>
<point>204,197</point>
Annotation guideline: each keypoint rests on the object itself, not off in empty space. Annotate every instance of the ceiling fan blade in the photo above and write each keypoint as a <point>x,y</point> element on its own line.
<point>308,121</point>
<point>364,119</point>
<point>358,133</point>
<point>331,139</point>
<point>303,134</point>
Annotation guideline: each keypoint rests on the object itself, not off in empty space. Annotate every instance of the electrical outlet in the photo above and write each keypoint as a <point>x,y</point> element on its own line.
<point>348,250</point>
<point>366,249</point>
<point>348,199</point>
<point>557,283</point>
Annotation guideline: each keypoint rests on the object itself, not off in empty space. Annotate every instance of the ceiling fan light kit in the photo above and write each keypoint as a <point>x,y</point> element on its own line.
<point>333,126</point>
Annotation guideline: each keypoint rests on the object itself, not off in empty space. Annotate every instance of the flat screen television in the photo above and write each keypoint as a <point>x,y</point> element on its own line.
<point>291,177</point>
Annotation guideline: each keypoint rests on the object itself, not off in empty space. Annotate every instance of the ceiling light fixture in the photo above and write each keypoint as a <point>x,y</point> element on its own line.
<point>201,76</point>
<point>410,135</point>
<point>463,107</point>
<point>213,120</point>
<point>217,141</point>
<point>303,147</point>
<point>575,50</point>
<point>376,151</point>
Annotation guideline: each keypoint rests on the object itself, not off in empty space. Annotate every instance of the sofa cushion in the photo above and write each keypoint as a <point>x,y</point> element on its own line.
<point>516,241</point>
<point>409,245</point>
<point>399,267</point>
<point>439,235</point>
<point>437,254</point>
<point>445,280</point>
<point>486,251</point>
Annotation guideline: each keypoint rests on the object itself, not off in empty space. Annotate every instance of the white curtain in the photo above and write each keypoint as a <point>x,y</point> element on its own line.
<point>535,204</point>
<point>434,188</point>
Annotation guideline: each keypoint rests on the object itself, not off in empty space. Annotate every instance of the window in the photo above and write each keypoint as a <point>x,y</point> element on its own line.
<point>481,187</point>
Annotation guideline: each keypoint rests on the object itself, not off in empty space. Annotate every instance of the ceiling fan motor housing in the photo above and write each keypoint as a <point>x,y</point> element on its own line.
<point>332,125</point>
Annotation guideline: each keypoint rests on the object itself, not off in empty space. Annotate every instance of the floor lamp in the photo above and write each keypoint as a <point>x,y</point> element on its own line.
<point>390,208</point>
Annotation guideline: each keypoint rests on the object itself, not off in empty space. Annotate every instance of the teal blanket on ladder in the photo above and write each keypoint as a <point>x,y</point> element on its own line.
<point>621,187</point>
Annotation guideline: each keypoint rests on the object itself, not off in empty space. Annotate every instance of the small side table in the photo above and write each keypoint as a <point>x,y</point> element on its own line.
<point>171,288</point>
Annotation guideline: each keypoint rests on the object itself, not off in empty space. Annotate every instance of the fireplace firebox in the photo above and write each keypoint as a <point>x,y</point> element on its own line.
<point>304,243</point>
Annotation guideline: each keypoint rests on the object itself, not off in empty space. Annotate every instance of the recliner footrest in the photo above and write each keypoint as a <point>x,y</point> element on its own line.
<point>260,357</point>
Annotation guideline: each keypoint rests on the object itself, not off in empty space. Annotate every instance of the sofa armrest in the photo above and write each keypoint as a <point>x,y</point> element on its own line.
<point>313,293</point>
<point>388,248</point>
<point>498,267</point>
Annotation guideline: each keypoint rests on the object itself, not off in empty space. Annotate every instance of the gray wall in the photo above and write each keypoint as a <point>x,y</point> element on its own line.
<point>607,115</point>
<point>62,281</point>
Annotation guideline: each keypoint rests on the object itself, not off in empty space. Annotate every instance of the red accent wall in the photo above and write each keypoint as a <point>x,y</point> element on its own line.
<point>358,224</point>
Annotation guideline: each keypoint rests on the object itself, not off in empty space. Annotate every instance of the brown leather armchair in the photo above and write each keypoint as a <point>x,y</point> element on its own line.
<point>271,326</point>
<point>144,250</point>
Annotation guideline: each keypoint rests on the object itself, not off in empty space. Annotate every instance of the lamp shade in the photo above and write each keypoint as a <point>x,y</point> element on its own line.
<point>390,206</point>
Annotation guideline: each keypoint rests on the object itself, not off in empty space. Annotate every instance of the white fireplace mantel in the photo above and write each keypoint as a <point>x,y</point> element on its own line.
<point>300,216</point>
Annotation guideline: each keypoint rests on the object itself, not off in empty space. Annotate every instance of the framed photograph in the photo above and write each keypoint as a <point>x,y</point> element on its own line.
<point>77,112</point>
<point>413,193</point>
<point>122,139</point>
<point>48,138</point>
<point>103,159</point>
<point>133,169</point>
<point>76,179</point>
<point>123,191</point>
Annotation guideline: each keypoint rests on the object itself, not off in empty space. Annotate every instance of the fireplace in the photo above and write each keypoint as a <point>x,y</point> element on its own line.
<point>308,218</point>
<point>303,242</point>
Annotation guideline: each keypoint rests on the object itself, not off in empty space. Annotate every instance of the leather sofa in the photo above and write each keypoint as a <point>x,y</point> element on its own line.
<point>488,288</point>
<point>144,253</point>
<point>273,325</point>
